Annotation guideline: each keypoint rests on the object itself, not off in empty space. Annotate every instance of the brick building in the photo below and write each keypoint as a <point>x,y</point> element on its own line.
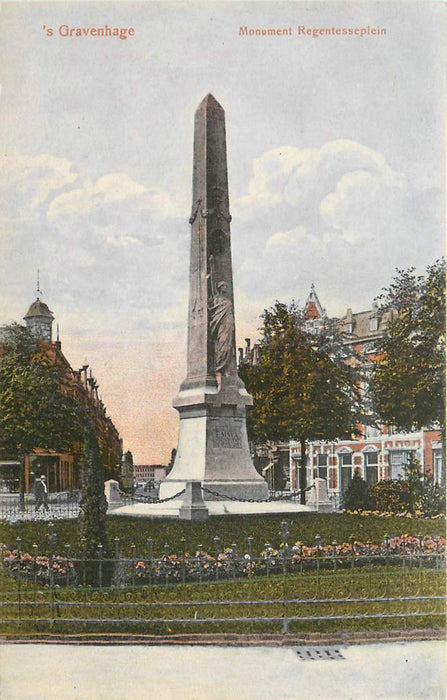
<point>62,470</point>
<point>379,452</point>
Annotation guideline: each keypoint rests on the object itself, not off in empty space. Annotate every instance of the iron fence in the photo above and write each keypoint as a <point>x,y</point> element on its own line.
<point>61,505</point>
<point>400,582</point>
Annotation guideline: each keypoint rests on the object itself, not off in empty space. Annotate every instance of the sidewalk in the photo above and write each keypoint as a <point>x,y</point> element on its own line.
<point>393,671</point>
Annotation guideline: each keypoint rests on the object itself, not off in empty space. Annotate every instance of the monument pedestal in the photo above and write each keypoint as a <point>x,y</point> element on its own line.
<point>213,446</point>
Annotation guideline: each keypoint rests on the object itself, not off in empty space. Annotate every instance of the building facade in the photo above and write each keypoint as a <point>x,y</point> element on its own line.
<point>63,470</point>
<point>380,452</point>
<point>380,457</point>
<point>142,473</point>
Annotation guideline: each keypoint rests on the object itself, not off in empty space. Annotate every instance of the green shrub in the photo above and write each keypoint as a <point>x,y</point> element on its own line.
<point>92,518</point>
<point>357,495</point>
<point>432,500</point>
<point>392,496</point>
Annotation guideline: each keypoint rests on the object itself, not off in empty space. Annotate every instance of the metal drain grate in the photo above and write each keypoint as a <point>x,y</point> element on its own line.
<point>318,653</point>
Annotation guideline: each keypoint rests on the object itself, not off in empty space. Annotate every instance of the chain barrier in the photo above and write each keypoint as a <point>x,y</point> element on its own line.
<point>148,499</point>
<point>257,500</point>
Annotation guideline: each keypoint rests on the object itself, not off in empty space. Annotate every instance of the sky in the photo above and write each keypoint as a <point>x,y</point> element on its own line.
<point>335,158</point>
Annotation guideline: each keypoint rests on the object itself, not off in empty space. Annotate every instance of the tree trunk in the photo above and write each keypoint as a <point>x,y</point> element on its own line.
<point>303,473</point>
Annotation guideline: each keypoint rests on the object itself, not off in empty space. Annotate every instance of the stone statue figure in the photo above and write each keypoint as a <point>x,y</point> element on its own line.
<point>222,327</point>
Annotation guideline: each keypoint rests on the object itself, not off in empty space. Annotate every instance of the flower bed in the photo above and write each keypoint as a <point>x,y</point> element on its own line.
<point>229,563</point>
<point>41,569</point>
<point>418,514</point>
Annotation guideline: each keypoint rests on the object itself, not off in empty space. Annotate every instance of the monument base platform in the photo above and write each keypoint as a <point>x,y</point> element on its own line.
<point>171,509</point>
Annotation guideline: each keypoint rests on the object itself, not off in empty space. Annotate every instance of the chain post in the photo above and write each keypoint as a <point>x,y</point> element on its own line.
<point>352,540</point>
<point>100,554</point>
<point>233,558</point>
<point>285,534</point>
<point>84,560</point>
<point>267,548</point>
<point>199,560</point>
<point>386,544</point>
<point>149,544</point>
<point>67,548</point>
<point>133,557</point>
<point>183,555</point>
<point>435,539</point>
<point>19,577</point>
<point>420,558</point>
<point>51,538</point>
<point>318,545</point>
<point>216,541</point>
<point>334,553</point>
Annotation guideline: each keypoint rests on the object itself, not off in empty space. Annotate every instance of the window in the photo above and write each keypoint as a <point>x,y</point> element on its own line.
<point>398,460</point>
<point>437,466</point>
<point>349,327</point>
<point>322,462</point>
<point>371,466</point>
<point>373,323</point>
<point>345,465</point>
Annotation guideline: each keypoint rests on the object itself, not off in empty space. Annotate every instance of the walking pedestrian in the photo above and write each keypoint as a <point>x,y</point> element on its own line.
<point>41,493</point>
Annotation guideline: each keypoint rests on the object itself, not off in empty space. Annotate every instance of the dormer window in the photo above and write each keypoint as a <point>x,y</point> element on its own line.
<point>349,327</point>
<point>373,323</point>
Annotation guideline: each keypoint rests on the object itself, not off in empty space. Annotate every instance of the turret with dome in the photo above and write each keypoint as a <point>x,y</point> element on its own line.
<point>39,318</point>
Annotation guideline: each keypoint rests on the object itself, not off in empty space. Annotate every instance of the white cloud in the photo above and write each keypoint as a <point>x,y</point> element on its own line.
<point>270,174</point>
<point>113,191</point>
<point>26,182</point>
<point>113,245</point>
<point>338,215</point>
<point>286,239</point>
<point>297,177</point>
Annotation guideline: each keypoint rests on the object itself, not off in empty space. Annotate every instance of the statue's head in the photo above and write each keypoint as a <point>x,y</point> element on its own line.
<point>222,287</point>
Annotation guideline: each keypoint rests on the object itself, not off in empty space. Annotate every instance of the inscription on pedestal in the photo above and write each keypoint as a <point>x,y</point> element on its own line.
<point>226,434</point>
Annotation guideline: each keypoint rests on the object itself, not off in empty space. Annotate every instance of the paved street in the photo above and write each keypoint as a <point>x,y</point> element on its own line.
<point>393,671</point>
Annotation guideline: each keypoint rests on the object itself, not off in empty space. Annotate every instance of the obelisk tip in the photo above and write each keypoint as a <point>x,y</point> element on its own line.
<point>209,102</point>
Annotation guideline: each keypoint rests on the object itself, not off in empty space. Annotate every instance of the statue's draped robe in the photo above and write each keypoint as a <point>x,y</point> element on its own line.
<point>222,328</point>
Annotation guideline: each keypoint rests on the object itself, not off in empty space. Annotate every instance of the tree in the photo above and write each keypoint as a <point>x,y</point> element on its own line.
<point>357,496</point>
<point>172,460</point>
<point>408,384</point>
<point>36,407</point>
<point>93,507</point>
<point>415,479</point>
<point>127,471</point>
<point>302,386</point>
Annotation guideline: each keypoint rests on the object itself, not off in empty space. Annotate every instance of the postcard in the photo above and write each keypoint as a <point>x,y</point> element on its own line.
<point>334,122</point>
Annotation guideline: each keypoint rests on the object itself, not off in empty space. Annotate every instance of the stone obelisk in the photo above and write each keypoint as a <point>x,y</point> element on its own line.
<point>212,446</point>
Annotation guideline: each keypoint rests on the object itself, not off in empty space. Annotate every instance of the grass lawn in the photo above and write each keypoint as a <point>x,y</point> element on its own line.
<point>157,609</point>
<point>231,529</point>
